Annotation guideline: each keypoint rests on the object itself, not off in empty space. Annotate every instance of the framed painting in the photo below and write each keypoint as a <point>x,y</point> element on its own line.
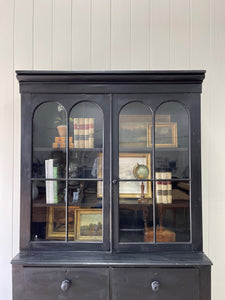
<point>165,135</point>
<point>89,225</point>
<point>129,189</point>
<point>56,223</point>
<point>133,131</point>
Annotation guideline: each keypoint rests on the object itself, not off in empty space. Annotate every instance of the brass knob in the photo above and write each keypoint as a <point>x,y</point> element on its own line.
<point>65,285</point>
<point>155,286</point>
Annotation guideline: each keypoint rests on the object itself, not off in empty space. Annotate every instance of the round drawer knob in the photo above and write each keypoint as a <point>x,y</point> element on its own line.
<point>155,286</point>
<point>65,285</point>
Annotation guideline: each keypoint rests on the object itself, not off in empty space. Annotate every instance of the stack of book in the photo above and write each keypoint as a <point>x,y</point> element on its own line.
<point>163,187</point>
<point>51,185</point>
<point>60,142</point>
<point>83,132</point>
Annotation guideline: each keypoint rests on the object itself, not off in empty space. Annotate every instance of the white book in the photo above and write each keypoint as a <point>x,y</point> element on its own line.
<point>51,183</point>
<point>47,182</point>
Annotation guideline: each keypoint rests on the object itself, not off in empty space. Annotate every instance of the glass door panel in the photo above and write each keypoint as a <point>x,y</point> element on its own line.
<point>172,164</point>
<point>86,131</point>
<point>48,220</point>
<point>49,121</point>
<point>48,212</point>
<point>85,185</point>
<point>172,140</point>
<point>67,172</point>
<point>173,216</point>
<point>135,186</point>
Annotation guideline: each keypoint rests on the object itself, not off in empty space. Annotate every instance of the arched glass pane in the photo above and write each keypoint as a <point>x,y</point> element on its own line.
<point>85,193</point>
<point>135,193</point>
<point>49,139</point>
<point>49,162</point>
<point>172,140</point>
<point>172,165</point>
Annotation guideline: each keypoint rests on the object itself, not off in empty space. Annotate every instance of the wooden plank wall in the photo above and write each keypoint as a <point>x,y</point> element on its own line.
<point>122,35</point>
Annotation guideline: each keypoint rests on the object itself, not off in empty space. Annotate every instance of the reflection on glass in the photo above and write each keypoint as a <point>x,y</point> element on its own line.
<point>134,120</point>
<point>128,161</point>
<point>133,189</point>
<point>173,213</point>
<point>85,193</point>
<point>48,197</point>
<point>49,138</point>
<point>135,217</point>
<point>85,164</point>
<point>172,140</point>
<point>86,132</point>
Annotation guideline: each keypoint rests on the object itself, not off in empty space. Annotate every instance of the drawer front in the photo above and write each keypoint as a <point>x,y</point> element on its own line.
<point>174,284</point>
<point>45,283</point>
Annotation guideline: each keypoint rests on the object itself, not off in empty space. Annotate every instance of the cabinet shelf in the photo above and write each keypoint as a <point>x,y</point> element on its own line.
<point>71,205</point>
<point>149,150</point>
<point>50,149</point>
<point>175,204</point>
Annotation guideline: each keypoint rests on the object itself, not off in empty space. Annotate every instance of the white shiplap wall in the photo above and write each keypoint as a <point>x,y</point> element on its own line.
<point>114,34</point>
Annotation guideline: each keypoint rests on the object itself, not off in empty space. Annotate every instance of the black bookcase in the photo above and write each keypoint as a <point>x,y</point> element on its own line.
<point>111,208</point>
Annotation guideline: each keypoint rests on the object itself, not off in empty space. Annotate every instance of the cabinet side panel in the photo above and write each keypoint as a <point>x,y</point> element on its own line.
<point>205,283</point>
<point>26,154</point>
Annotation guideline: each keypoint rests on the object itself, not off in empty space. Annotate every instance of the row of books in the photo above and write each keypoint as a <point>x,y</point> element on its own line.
<point>83,132</point>
<point>163,187</point>
<point>60,142</point>
<point>51,185</point>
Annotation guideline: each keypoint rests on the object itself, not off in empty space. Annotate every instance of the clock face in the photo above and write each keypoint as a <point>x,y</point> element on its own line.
<point>140,171</point>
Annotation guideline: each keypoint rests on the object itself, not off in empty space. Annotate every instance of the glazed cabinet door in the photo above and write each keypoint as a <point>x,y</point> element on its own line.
<point>60,283</point>
<point>66,188</point>
<point>155,284</point>
<point>152,165</point>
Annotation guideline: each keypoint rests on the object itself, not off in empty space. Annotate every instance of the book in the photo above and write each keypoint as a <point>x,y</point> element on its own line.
<point>164,192</point>
<point>164,188</point>
<point>50,173</point>
<point>169,187</point>
<point>55,185</point>
<point>51,185</point>
<point>91,132</point>
<point>158,175</point>
<point>76,132</point>
<point>86,132</point>
<point>81,132</point>
<point>169,192</point>
<point>47,193</point>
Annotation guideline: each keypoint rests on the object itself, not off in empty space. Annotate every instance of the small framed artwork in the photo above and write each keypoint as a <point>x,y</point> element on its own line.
<point>165,135</point>
<point>129,189</point>
<point>56,220</point>
<point>133,129</point>
<point>89,225</point>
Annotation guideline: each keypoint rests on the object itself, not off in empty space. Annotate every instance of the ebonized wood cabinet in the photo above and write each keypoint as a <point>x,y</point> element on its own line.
<point>111,207</point>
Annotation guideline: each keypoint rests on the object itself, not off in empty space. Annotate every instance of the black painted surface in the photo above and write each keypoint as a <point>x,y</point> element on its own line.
<point>45,283</point>
<point>111,270</point>
<point>60,258</point>
<point>173,284</point>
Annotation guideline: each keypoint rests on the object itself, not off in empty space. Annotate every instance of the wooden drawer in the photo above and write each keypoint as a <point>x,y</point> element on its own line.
<point>32,283</point>
<point>135,283</point>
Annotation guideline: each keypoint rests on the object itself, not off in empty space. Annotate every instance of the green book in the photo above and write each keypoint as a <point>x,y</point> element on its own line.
<point>55,185</point>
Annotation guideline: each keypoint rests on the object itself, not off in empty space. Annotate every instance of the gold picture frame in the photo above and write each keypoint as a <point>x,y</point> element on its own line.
<point>133,129</point>
<point>55,223</point>
<point>89,225</point>
<point>165,135</point>
<point>127,161</point>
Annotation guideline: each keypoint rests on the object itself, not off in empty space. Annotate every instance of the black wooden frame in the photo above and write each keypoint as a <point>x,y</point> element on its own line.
<point>150,87</point>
